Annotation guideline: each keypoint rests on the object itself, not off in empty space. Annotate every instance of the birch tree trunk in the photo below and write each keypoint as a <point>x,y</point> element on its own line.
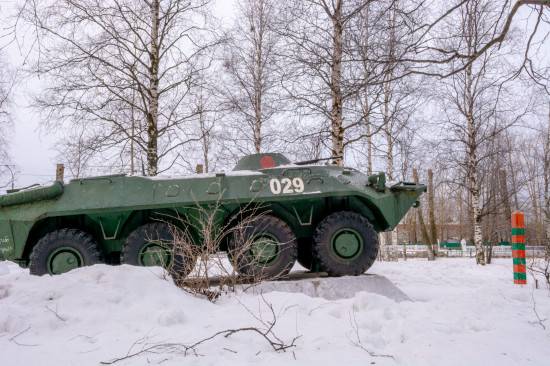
<point>425,237</point>
<point>547,189</point>
<point>474,189</point>
<point>153,113</point>
<point>431,208</point>
<point>471,147</point>
<point>369,139</point>
<point>413,237</point>
<point>258,76</point>
<point>336,83</point>
<point>394,250</point>
<point>384,255</point>
<point>507,211</point>
<point>509,144</point>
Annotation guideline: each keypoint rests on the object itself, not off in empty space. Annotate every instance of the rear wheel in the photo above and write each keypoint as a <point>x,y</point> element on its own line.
<point>266,248</point>
<point>63,250</point>
<point>345,244</point>
<point>152,244</point>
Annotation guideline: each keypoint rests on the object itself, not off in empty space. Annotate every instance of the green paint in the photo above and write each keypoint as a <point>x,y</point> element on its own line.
<point>518,246</point>
<point>516,231</point>
<point>154,254</point>
<point>450,245</point>
<point>519,261</point>
<point>520,276</point>
<point>21,197</point>
<point>111,207</point>
<point>346,244</point>
<point>63,260</point>
<point>265,249</point>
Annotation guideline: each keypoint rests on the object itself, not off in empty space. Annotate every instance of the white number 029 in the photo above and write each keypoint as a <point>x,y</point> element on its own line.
<point>296,185</point>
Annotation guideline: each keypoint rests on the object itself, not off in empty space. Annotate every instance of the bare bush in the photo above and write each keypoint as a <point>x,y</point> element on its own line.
<point>202,269</point>
<point>202,224</point>
<point>538,267</point>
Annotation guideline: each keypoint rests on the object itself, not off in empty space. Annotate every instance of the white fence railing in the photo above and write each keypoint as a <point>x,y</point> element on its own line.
<point>469,251</point>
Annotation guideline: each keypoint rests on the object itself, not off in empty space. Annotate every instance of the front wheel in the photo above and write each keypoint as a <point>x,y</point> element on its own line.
<point>63,250</point>
<point>345,244</point>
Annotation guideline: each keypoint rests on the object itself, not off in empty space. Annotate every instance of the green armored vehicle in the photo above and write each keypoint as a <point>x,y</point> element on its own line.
<point>326,217</point>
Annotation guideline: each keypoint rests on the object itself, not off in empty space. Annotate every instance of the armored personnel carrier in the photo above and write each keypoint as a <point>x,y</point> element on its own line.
<point>326,217</point>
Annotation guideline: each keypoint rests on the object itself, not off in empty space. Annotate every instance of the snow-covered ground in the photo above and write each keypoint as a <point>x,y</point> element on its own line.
<point>459,314</point>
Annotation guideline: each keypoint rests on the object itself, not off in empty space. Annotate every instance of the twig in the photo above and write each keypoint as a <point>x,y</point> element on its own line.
<point>357,342</point>
<point>12,339</point>
<point>230,350</point>
<point>283,311</point>
<point>266,333</point>
<point>153,348</point>
<point>54,312</point>
<point>318,307</point>
<point>534,307</point>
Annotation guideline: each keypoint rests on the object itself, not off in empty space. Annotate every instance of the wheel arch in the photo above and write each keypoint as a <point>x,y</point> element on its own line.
<point>266,208</point>
<point>46,225</point>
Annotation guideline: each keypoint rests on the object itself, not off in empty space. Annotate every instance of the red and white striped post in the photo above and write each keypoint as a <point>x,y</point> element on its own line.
<point>518,248</point>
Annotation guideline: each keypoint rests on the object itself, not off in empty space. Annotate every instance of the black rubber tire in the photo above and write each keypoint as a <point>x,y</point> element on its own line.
<point>79,241</point>
<point>287,249</point>
<point>328,260</point>
<point>181,263</point>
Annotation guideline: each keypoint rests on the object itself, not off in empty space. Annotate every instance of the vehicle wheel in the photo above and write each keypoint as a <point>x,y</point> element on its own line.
<point>152,244</point>
<point>63,250</point>
<point>345,244</point>
<point>267,248</point>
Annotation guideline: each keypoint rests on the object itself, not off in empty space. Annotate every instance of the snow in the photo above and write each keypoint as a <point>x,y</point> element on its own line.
<point>230,173</point>
<point>335,288</point>
<point>458,314</point>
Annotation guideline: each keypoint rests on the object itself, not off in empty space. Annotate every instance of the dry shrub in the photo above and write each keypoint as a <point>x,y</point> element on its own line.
<point>206,271</point>
<point>539,267</point>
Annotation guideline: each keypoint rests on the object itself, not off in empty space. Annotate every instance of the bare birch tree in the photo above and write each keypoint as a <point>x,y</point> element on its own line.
<point>5,92</point>
<point>121,71</point>
<point>251,87</point>
<point>318,65</point>
<point>209,132</point>
<point>7,82</point>
<point>482,103</point>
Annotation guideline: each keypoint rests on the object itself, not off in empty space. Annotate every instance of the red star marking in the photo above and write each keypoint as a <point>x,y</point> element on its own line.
<point>267,162</point>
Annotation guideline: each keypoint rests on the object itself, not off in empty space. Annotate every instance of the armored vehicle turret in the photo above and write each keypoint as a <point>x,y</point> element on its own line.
<point>326,217</point>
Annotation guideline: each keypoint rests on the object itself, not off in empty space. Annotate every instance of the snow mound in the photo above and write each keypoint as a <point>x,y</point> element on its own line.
<point>461,314</point>
<point>334,288</point>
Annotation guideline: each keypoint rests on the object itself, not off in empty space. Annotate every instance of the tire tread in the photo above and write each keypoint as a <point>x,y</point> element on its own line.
<point>322,251</point>
<point>91,251</point>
